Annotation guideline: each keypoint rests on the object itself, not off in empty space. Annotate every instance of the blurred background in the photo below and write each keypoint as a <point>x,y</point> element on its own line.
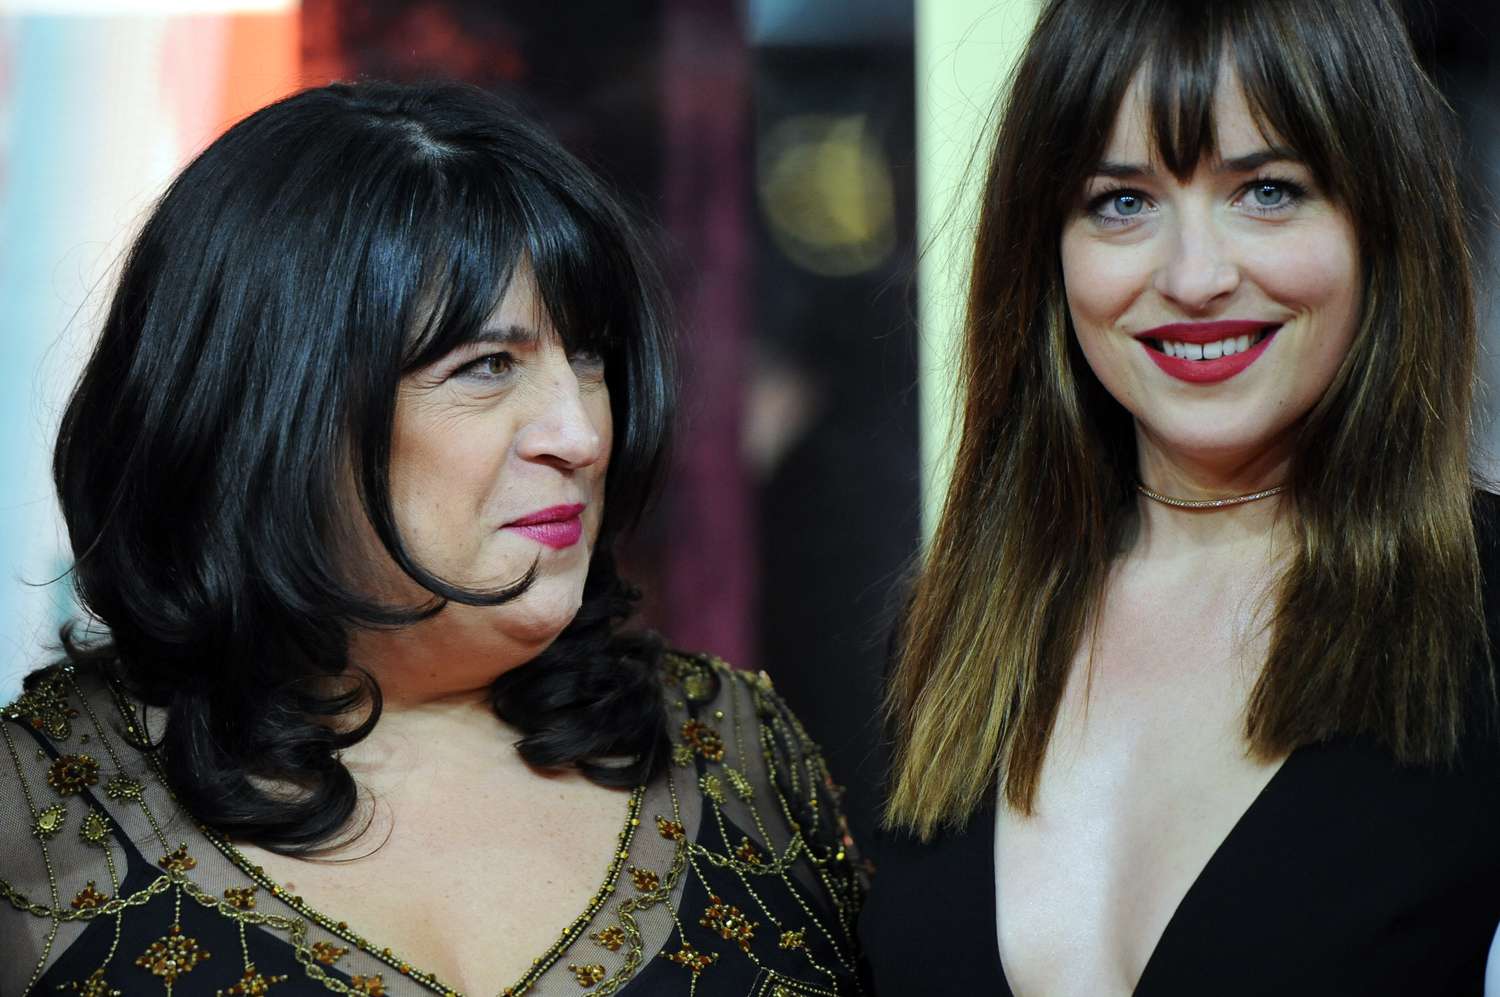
<point>809,168</point>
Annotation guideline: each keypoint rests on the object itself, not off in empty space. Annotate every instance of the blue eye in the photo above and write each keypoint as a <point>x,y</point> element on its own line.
<point>1268,195</point>
<point>1120,206</point>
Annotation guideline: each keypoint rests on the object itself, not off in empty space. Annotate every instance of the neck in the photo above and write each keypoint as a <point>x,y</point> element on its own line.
<point>1255,530</point>
<point>438,663</point>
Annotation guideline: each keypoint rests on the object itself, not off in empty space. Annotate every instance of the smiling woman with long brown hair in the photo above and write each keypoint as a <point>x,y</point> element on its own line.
<point>1195,691</point>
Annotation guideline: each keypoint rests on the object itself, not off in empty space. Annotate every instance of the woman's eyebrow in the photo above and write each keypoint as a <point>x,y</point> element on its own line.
<point>1255,160</point>
<point>1122,171</point>
<point>1247,163</point>
<point>508,335</point>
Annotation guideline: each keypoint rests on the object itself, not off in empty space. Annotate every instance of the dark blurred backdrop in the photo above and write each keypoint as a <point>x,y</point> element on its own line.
<point>772,144</point>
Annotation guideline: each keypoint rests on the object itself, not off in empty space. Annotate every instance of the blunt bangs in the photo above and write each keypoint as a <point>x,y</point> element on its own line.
<point>1302,67</point>
<point>473,237</point>
<point>248,372</point>
<point>442,202</point>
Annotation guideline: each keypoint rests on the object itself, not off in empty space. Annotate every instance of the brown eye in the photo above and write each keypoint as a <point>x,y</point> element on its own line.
<point>490,367</point>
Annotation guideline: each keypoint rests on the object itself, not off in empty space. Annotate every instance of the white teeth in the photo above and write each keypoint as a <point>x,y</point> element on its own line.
<point>1210,351</point>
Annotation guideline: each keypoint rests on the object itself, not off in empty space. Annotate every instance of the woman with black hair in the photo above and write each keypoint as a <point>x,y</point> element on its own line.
<point>386,375</point>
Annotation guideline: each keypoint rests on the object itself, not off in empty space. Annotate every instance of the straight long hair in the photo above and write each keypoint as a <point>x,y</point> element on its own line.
<point>1377,617</point>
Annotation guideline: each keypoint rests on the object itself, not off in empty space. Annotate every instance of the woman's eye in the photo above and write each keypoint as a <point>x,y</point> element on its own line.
<point>1117,207</point>
<point>1268,196</point>
<point>490,367</point>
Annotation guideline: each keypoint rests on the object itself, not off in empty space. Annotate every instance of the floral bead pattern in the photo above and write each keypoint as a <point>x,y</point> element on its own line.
<point>744,881</point>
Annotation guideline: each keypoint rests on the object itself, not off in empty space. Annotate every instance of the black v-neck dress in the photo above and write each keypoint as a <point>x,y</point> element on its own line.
<point>1348,874</point>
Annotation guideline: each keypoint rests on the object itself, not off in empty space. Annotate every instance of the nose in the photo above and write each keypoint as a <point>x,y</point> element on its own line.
<point>561,430</point>
<point>1199,268</point>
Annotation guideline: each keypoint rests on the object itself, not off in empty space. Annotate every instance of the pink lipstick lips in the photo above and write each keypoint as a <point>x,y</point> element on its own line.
<point>1207,352</point>
<point>557,527</point>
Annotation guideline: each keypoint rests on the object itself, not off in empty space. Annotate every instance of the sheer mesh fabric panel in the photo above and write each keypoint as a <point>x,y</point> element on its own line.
<point>88,823</point>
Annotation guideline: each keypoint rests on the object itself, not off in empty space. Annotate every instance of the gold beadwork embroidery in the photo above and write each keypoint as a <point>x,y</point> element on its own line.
<point>328,953</point>
<point>703,739</point>
<point>95,828</point>
<point>729,922</point>
<point>123,788</point>
<point>698,687</point>
<point>712,788</point>
<point>691,958</point>
<point>739,783</point>
<point>95,986</point>
<point>252,984</point>
<point>791,780</point>
<point>72,774</point>
<point>588,975</point>
<point>88,898</point>
<point>178,860</point>
<point>45,707</point>
<point>49,821</point>
<point>644,879</point>
<point>611,937</point>
<point>172,955</point>
<point>241,897</point>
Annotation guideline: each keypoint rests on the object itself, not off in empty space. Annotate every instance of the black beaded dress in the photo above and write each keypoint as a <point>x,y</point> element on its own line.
<point>734,874</point>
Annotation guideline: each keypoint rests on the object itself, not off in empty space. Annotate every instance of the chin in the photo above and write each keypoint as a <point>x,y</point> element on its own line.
<point>541,614</point>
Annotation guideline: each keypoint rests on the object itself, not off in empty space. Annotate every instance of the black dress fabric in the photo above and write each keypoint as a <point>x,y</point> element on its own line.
<point>1348,874</point>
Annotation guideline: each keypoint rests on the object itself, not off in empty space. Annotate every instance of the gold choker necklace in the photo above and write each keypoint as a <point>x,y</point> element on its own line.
<point>1219,503</point>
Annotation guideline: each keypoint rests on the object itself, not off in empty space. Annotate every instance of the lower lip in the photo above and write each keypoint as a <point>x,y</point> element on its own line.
<point>557,534</point>
<point>1208,371</point>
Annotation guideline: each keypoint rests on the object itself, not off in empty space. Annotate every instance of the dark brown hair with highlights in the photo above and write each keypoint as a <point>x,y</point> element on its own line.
<point>1378,617</point>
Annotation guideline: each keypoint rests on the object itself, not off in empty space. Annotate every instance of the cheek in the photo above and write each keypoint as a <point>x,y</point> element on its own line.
<point>443,474</point>
<point>1315,270</point>
<point>1319,276</point>
<point>1100,282</point>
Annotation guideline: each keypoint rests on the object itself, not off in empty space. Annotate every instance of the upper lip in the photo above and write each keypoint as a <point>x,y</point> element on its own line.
<point>551,514</point>
<point>1204,332</point>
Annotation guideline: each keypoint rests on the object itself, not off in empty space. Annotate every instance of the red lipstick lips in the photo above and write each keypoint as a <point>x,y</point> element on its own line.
<point>557,526</point>
<point>1197,334</point>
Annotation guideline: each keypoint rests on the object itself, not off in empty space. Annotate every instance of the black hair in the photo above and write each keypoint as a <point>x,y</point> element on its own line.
<point>246,375</point>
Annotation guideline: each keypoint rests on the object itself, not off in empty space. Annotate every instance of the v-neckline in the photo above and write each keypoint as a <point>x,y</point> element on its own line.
<point>345,931</point>
<point>1170,929</point>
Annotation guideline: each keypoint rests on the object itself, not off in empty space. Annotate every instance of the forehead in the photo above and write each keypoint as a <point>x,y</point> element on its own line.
<point>1233,129</point>
<point>1148,131</point>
